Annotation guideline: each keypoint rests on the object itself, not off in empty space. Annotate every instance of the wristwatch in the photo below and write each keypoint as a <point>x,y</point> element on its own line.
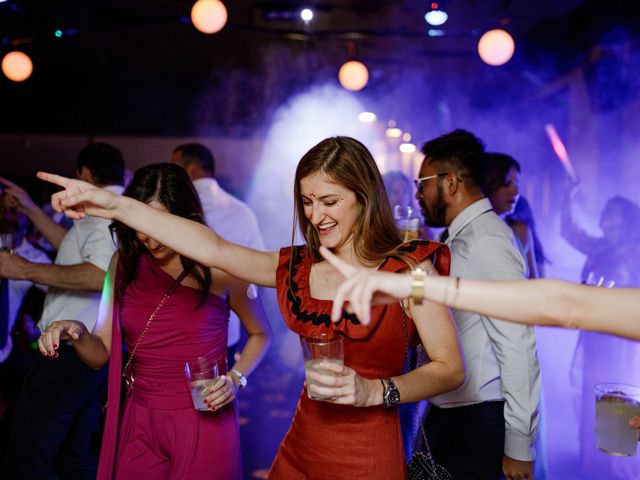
<point>241,379</point>
<point>390,393</point>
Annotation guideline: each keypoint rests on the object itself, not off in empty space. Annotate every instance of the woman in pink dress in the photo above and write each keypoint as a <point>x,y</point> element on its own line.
<point>157,433</point>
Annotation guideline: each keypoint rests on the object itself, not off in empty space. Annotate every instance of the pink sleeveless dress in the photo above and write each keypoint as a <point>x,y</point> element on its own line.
<point>157,433</point>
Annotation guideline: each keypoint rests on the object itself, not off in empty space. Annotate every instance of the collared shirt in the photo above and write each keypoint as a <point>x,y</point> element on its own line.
<point>500,356</point>
<point>19,288</point>
<point>88,241</point>
<point>234,221</point>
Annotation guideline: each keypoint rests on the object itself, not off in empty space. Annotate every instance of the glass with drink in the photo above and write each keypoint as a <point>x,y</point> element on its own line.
<point>616,404</point>
<point>408,224</point>
<point>201,375</point>
<point>323,348</point>
<point>6,242</point>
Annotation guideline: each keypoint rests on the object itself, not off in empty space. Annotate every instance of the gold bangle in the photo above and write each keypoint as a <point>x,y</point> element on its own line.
<point>417,285</point>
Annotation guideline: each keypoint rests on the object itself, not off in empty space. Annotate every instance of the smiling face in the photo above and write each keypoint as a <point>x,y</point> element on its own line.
<point>505,197</point>
<point>159,252</point>
<point>331,209</point>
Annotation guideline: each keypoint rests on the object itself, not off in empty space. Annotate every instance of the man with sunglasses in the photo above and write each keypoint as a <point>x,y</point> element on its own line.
<point>487,427</point>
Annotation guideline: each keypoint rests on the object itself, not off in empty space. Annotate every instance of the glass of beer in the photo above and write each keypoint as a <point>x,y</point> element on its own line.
<point>616,404</point>
<point>322,348</point>
<point>201,375</point>
<point>408,224</point>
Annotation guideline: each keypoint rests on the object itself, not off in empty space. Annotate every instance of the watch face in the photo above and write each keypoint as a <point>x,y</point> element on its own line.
<point>394,397</point>
<point>242,380</point>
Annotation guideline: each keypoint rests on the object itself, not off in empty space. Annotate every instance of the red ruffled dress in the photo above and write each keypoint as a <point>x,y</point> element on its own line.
<point>327,441</point>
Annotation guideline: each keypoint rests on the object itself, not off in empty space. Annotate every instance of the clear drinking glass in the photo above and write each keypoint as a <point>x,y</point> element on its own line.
<point>616,404</point>
<point>201,374</point>
<point>408,224</point>
<point>326,348</point>
<point>6,242</point>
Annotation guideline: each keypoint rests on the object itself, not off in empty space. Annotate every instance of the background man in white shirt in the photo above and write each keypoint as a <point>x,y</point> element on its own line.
<point>488,425</point>
<point>229,217</point>
<point>58,409</point>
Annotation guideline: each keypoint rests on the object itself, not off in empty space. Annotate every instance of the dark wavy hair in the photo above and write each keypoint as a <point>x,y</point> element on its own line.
<point>169,185</point>
<point>496,171</point>
<point>348,162</point>
<point>460,152</point>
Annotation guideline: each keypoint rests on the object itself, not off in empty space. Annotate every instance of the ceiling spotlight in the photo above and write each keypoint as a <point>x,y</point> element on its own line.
<point>407,148</point>
<point>367,117</point>
<point>436,17</point>
<point>393,132</point>
<point>306,14</point>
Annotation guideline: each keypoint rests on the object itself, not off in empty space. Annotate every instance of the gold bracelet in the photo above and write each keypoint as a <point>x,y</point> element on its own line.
<point>417,285</point>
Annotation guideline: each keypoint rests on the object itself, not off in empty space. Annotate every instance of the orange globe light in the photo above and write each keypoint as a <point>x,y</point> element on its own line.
<point>496,47</point>
<point>209,16</point>
<point>17,66</point>
<point>353,75</point>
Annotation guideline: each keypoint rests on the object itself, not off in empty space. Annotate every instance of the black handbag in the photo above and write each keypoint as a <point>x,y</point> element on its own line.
<point>422,466</point>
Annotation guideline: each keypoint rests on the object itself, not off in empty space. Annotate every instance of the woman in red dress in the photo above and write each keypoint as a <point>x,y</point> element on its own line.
<point>340,204</point>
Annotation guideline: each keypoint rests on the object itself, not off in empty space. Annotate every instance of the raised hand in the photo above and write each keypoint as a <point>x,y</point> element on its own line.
<point>80,198</point>
<point>363,288</point>
<point>58,331</point>
<point>21,198</point>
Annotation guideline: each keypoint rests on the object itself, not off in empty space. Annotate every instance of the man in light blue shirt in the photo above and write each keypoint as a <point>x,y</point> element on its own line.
<point>486,427</point>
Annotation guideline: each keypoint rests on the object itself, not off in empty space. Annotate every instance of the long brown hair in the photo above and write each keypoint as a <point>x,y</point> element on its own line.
<point>170,185</point>
<point>348,162</point>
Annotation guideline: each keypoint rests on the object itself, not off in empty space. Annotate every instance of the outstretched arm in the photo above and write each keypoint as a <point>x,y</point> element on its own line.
<point>53,232</point>
<point>186,237</point>
<point>534,302</point>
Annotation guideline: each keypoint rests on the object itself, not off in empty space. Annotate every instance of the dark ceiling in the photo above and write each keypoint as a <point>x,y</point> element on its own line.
<point>140,67</point>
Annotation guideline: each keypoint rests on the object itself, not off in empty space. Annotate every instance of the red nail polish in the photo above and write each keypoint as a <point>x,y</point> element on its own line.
<point>206,401</point>
<point>55,345</point>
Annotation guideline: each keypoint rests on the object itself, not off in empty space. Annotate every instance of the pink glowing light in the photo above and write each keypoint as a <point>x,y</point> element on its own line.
<point>561,151</point>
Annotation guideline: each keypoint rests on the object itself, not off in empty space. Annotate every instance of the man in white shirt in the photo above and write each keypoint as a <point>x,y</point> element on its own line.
<point>225,214</point>
<point>58,409</point>
<point>486,427</point>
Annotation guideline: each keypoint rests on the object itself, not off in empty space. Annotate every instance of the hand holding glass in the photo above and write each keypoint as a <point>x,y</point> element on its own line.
<point>319,349</point>
<point>201,375</point>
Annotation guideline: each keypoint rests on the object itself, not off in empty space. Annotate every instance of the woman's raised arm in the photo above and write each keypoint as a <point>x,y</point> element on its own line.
<point>534,302</point>
<point>186,237</point>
